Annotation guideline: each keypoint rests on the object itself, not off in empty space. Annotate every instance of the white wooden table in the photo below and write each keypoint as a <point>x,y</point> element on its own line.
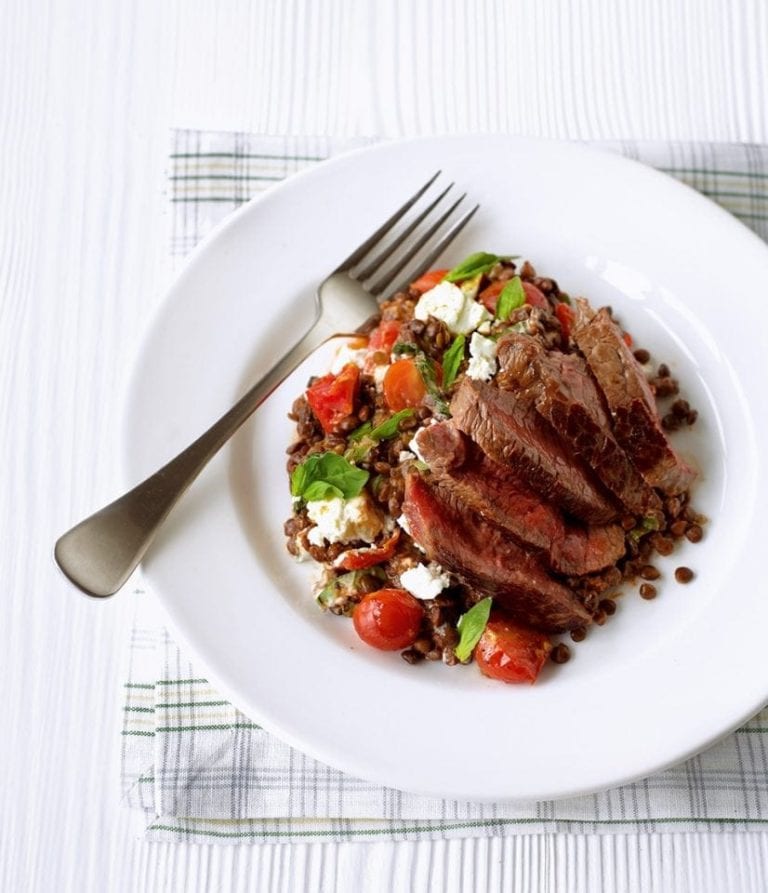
<point>89,93</point>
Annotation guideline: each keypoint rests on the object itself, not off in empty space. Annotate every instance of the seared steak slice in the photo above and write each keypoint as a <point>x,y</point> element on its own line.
<point>636,423</point>
<point>565,394</point>
<point>495,493</point>
<point>487,560</point>
<point>511,431</point>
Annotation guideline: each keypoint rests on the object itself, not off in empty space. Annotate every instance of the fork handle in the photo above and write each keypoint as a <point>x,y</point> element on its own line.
<point>100,553</point>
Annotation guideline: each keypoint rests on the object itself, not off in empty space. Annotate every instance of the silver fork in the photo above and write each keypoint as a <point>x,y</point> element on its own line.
<point>101,552</point>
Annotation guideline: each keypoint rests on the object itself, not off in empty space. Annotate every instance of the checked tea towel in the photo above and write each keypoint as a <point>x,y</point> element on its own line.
<point>198,770</point>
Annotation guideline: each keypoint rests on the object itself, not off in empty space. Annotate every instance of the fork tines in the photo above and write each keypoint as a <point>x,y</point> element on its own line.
<point>403,248</point>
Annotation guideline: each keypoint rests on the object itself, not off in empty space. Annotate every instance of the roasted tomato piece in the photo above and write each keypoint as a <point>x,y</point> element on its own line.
<point>489,296</point>
<point>511,653</point>
<point>429,280</point>
<point>332,397</point>
<point>358,559</point>
<point>404,387</point>
<point>564,313</point>
<point>384,336</point>
<point>389,619</point>
<point>535,296</point>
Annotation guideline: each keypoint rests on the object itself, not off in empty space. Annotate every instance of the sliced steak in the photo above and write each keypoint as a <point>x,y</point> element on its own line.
<point>496,494</point>
<point>636,423</point>
<point>511,432</point>
<point>487,560</point>
<point>565,394</point>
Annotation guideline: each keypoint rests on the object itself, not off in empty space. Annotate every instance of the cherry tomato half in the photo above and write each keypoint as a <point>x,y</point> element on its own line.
<point>429,280</point>
<point>535,296</point>
<point>511,653</point>
<point>388,619</point>
<point>489,296</point>
<point>404,387</point>
<point>332,397</point>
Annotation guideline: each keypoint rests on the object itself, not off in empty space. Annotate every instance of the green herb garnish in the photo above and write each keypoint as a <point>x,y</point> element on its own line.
<point>366,436</point>
<point>512,296</point>
<point>426,370</point>
<point>452,360</point>
<point>327,475</point>
<point>471,626</point>
<point>405,348</point>
<point>647,525</point>
<point>346,583</point>
<point>474,265</point>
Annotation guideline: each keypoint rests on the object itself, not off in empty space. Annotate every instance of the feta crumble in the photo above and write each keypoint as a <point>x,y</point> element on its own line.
<point>405,456</point>
<point>425,580</point>
<point>482,358</point>
<point>346,354</point>
<point>343,520</point>
<point>448,303</point>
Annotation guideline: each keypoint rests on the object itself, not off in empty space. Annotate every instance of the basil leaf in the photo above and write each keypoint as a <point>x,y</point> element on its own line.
<point>452,360</point>
<point>477,263</point>
<point>471,626</point>
<point>389,427</point>
<point>318,490</point>
<point>326,475</point>
<point>512,296</point>
<point>426,369</point>
<point>405,348</point>
<point>361,432</point>
<point>366,436</point>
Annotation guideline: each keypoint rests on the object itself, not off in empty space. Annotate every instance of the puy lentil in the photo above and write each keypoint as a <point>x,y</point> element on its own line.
<point>579,634</point>
<point>678,528</point>
<point>642,356</point>
<point>561,653</point>
<point>648,591</point>
<point>694,534</point>
<point>608,605</point>
<point>649,572</point>
<point>683,574</point>
<point>411,656</point>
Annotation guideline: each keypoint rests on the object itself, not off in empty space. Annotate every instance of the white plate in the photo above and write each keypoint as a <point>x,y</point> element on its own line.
<point>663,679</point>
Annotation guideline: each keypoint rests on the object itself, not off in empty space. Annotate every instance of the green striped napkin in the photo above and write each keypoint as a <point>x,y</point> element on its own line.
<point>197,769</point>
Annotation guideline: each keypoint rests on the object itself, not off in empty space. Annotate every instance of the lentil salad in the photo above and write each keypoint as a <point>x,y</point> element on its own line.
<point>390,448</point>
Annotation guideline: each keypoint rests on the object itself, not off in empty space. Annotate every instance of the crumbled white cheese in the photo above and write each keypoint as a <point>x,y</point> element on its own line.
<point>346,354</point>
<point>405,456</point>
<point>425,580</point>
<point>379,371</point>
<point>343,520</point>
<point>448,303</point>
<point>471,317</point>
<point>485,327</point>
<point>403,522</point>
<point>482,357</point>
<point>445,302</point>
<point>413,446</point>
